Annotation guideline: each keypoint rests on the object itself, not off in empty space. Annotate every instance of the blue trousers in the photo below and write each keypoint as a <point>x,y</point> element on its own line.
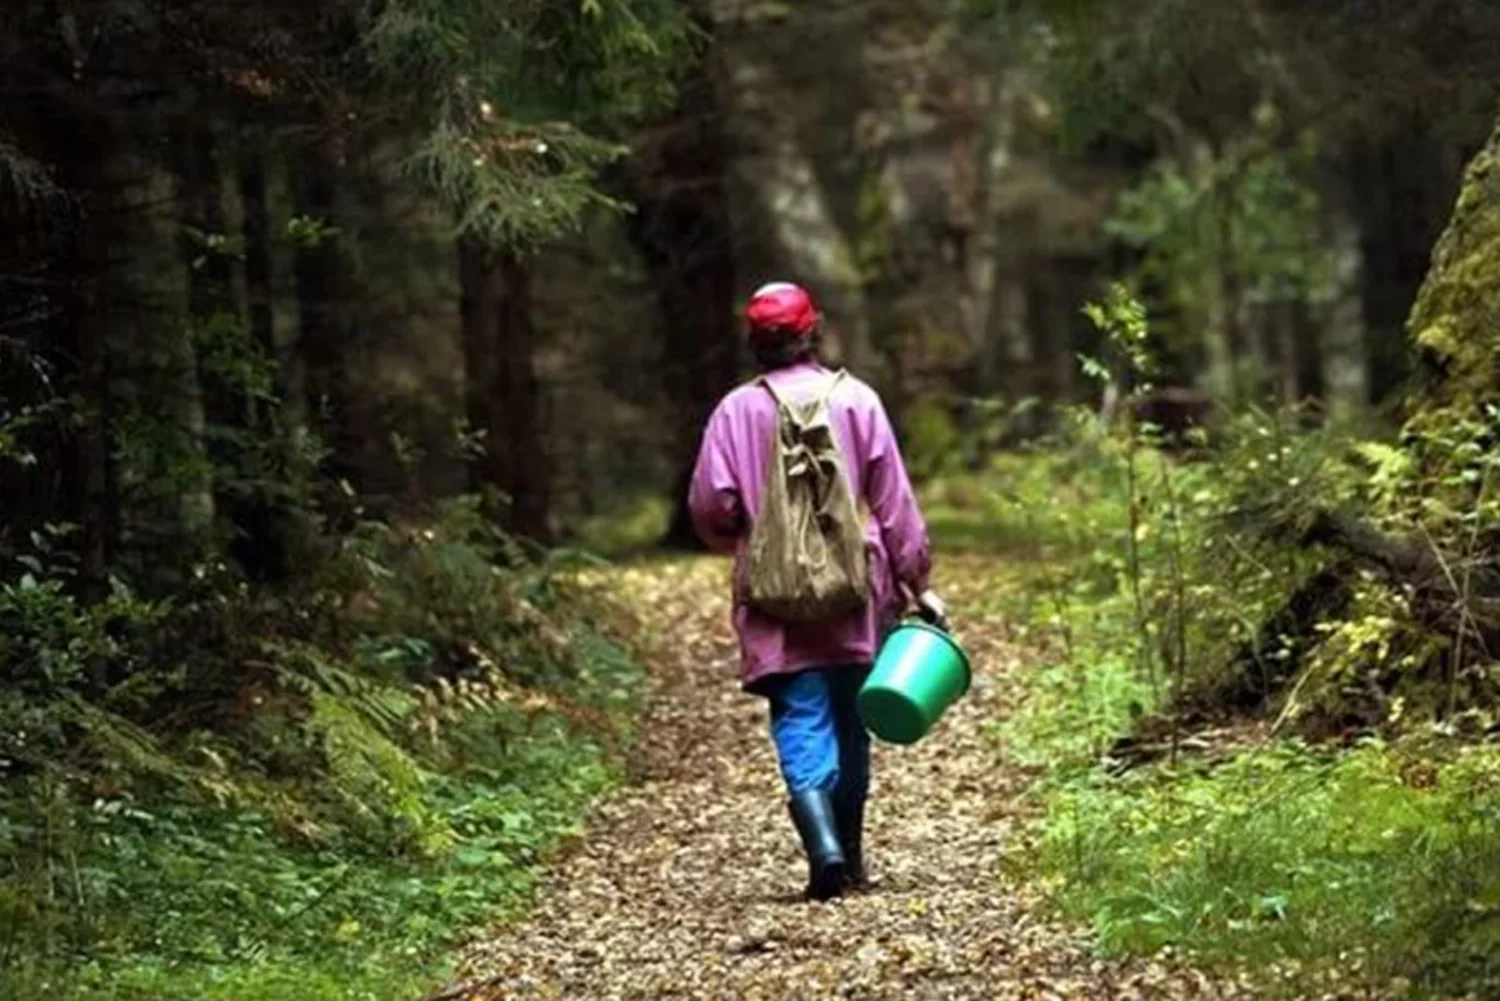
<point>819,739</point>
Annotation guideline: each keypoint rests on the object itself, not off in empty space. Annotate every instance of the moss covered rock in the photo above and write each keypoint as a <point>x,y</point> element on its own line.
<point>1455,322</point>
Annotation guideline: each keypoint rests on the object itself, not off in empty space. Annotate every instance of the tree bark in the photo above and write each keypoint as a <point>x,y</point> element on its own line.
<point>256,227</point>
<point>241,429</point>
<point>786,222</point>
<point>263,522</point>
<point>1345,365</point>
<point>480,294</point>
<point>83,288</point>
<point>210,275</point>
<point>501,390</point>
<point>90,500</point>
<point>326,329</point>
<point>1303,360</point>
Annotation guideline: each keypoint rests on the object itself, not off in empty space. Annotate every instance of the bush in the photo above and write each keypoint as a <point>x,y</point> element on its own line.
<point>1170,588</point>
<point>241,788</point>
<point>931,441</point>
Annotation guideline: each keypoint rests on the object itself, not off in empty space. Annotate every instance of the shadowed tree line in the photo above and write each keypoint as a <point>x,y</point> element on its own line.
<point>397,246</point>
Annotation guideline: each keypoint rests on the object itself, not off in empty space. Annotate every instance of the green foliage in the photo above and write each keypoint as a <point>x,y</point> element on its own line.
<point>1119,68</point>
<point>1305,868</point>
<point>308,232</point>
<point>1184,570</point>
<point>540,186</point>
<point>1251,211</point>
<point>1229,229</point>
<point>54,646</point>
<point>401,738</point>
<point>930,440</point>
<point>1310,869</point>
<point>1121,317</point>
<point>1176,568</point>
<point>635,528</point>
<point>520,102</point>
<point>174,898</point>
<point>1158,592</point>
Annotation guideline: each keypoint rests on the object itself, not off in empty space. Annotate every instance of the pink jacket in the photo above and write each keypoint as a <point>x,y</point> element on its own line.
<point>725,498</point>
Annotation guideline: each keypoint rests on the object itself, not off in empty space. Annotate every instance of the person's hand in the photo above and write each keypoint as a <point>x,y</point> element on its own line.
<point>932,609</point>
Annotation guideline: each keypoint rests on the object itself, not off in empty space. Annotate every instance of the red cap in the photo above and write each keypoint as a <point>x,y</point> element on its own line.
<point>781,306</point>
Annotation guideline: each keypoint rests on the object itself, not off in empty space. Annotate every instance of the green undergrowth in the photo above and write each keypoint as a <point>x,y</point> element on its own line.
<point>1358,858</point>
<point>633,529</point>
<point>1136,572</point>
<point>193,902</point>
<point>1370,868</point>
<point>313,793</point>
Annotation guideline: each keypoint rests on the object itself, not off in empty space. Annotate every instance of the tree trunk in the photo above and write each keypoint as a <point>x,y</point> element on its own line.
<point>681,227</point>
<point>256,227</point>
<point>501,392</point>
<point>83,290</point>
<point>1215,292</point>
<point>480,295</point>
<point>211,305</point>
<point>262,521</point>
<point>90,501</point>
<point>1345,364</point>
<point>785,221</point>
<point>326,327</point>
<point>1053,319</point>
<point>1299,354</point>
<point>241,430</point>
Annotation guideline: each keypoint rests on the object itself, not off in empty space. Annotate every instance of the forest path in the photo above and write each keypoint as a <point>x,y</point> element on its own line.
<point>688,883</point>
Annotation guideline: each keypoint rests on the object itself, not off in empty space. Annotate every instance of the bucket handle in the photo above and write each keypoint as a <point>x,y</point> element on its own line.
<point>916,611</point>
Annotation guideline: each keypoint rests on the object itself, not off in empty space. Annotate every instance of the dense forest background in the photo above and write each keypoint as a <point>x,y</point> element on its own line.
<point>324,325</point>
<point>367,228</point>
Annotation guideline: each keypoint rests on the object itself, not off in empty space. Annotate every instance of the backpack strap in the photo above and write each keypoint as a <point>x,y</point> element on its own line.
<point>765,384</point>
<point>821,400</point>
<point>833,385</point>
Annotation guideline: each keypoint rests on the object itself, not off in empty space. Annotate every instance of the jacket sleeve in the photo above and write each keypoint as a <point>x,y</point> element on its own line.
<point>714,496</point>
<point>893,503</point>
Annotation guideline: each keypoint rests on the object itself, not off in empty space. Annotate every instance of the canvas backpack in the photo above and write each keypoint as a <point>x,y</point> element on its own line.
<point>806,558</point>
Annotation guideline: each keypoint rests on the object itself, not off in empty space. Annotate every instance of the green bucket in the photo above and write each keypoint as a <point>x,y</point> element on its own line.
<point>919,673</point>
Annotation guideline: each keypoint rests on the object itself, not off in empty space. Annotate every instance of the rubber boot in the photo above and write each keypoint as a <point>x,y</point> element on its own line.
<point>812,813</point>
<point>850,814</point>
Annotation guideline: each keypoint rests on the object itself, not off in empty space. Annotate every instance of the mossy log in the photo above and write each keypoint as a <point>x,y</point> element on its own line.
<point>1444,585</point>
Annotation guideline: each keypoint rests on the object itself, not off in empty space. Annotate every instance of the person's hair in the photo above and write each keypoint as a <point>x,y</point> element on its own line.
<point>780,347</point>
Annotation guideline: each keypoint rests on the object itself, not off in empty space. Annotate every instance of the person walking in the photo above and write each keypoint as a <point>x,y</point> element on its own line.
<point>800,478</point>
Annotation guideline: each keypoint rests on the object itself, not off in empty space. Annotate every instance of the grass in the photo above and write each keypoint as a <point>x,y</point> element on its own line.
<point>1371,868</point>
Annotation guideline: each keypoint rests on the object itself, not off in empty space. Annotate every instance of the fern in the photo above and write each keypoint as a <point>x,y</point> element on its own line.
<point>368,766</point>
<point>117,739</point>
<point>358,725</point>
<point>312,674</point>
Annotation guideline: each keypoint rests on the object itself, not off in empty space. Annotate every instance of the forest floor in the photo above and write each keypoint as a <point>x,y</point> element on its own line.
<point>688,882</point>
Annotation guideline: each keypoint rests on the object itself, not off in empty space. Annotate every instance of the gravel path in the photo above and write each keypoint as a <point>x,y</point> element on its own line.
<point>688,883</point>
